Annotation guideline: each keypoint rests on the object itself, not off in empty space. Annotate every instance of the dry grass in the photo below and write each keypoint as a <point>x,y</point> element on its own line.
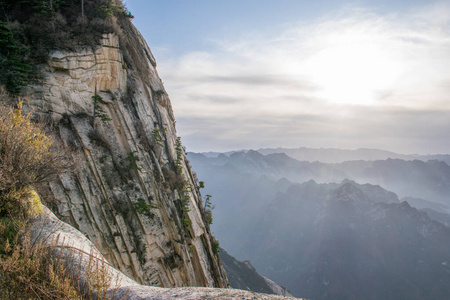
<point>36,271</point>
<point>31,272</point>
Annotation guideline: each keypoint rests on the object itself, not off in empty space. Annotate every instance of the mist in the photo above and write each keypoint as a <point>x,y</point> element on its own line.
<point>333,223</point>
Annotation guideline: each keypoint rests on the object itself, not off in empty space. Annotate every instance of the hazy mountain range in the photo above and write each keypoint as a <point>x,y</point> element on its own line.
<point>328,242</point>
<point>429,180</point>
<point>335,230</point>
<point>332,155</point>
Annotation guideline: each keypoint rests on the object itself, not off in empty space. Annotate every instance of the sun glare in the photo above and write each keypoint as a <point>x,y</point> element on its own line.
<point>352,73</point>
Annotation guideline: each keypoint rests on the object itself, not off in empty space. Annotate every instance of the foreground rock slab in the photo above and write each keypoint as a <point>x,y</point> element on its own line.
<point>66,241</point>
<point>154,293</point>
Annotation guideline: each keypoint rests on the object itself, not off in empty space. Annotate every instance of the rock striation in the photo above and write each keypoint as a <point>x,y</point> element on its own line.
<point>130,190</point>
<point>78,253</point>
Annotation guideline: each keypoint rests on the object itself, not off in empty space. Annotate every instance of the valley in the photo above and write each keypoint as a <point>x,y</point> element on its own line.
<point>351,230</point>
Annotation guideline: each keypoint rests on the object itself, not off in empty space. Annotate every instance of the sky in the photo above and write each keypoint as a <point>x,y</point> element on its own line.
<point>249,74</point>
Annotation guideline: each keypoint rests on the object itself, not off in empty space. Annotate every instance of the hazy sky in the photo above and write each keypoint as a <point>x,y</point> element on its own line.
<point>293,73</point>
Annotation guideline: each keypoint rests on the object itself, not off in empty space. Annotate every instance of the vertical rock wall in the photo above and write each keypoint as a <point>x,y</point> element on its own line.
<point>130,189</point>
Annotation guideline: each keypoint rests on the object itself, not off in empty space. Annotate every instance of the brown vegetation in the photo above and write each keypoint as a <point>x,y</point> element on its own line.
<point>35,271</point>
<point>26,159</point>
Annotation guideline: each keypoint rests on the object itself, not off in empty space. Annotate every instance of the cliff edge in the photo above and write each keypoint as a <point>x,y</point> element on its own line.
<point>131,190</point>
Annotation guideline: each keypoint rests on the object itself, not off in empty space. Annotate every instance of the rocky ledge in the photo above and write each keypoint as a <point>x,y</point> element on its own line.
<point>77,251</point>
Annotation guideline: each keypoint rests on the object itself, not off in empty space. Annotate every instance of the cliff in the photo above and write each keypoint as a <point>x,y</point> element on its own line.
<point>128,202</point>
<point>82,257</point>
<point>130,189</point>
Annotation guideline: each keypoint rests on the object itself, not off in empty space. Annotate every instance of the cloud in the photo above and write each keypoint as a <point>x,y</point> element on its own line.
<point>350,79</point>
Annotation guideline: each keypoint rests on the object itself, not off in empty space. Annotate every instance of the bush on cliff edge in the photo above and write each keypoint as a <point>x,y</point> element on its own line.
<point>26,159</point>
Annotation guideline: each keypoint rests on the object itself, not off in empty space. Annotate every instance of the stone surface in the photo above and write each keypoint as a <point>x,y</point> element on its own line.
<point>147,293</point>
<point>123,191</point>
<point>70,77</point>
<point>278,290</point>
<point>73,246</point>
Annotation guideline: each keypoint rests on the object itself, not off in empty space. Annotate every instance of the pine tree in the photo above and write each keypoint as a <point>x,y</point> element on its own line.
<point>13,69</point>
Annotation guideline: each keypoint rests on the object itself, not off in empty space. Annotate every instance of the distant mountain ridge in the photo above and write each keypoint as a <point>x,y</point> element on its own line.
<point>333,155</point>
<point>428,180</point>
<point>335,230</point>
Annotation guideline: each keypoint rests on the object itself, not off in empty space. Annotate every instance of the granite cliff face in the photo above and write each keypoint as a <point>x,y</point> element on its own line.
<point>130,190</point>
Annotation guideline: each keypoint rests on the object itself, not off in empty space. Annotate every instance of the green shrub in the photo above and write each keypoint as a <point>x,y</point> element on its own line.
<point>185,200</point>
<point>187,224</point>
<point>108,9</point>
<point>132,159</point>
<point>158,136</point>
<point>201,185</point>
<point>215,246</point>
<point>180,156</point>
<point>144,208</point>
<point>208,216</point>
<point>98,110</point>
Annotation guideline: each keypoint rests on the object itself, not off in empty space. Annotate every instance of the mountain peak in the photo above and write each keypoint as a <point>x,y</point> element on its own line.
<point>349,192</point>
